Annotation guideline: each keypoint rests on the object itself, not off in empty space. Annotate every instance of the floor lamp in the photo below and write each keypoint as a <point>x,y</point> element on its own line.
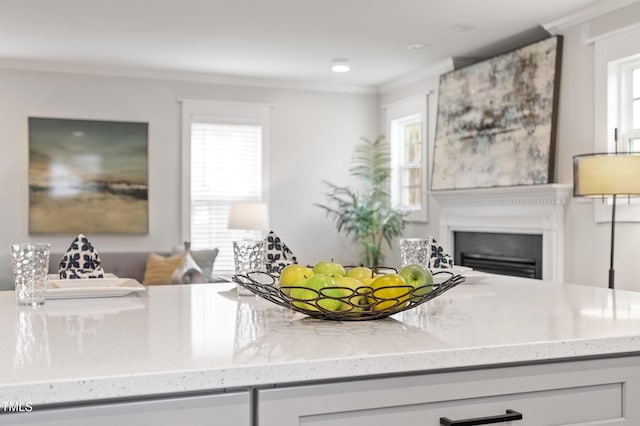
<point>607,175</point>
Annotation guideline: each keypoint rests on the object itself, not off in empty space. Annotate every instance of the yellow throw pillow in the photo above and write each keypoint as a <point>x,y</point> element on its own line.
<point>160,268</point>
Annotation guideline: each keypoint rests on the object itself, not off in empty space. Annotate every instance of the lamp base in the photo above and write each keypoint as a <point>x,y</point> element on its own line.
<point>611,278</point>
<point>613,242</point>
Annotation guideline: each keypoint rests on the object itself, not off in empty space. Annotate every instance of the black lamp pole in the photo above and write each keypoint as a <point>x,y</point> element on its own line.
<point>613,219</point>
<point>613,229</point>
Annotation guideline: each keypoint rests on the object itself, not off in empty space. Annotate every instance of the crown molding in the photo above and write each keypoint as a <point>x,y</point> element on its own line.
<point>524,195</point>
<point>435,70</point>
<point>594,10</point>
<point>186,76</point>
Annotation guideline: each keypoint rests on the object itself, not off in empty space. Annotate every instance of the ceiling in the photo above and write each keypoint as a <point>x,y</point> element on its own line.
<point>295,40</point>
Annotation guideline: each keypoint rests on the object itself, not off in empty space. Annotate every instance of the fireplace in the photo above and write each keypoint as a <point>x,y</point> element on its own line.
<point>529,210</point>
<point>500,253</point>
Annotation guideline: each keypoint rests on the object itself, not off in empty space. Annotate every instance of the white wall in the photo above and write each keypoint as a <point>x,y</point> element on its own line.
<point>586,249</point>
<point>587,242</point>
<point>429,86</point>
<point>312,136</point>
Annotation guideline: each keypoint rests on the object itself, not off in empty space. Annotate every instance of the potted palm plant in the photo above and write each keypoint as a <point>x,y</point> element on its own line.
<point>367,215</point>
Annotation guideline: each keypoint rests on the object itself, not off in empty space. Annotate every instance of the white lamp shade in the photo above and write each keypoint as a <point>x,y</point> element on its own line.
<point>249,215</point>
<point>606,174</point>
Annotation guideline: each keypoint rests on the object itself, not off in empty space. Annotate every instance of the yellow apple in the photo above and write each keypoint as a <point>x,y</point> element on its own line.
<point>329,268</point>
<point>357,296</point>
<point>360,273</point>
<point>392,289</point>
<point>367,281</point>
<point>292,274</point>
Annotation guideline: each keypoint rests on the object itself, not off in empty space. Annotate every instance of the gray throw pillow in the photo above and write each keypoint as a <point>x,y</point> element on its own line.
<point>204,258</point>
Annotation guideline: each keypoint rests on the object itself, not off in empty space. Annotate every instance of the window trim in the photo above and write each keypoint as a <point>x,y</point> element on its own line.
<point>402,109</point>
<point>219,112</point>
<point>611,55</point>
<point>626,99</point>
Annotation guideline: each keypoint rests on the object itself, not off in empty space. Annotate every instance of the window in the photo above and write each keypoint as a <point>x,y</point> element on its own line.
<point>617,109</point>
<point>407,140</point>
<point>624,99</point>
<point>224,162</point>
<point>407,152</point>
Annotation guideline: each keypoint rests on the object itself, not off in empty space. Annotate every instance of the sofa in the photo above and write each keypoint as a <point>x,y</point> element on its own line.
<point>122,264</point>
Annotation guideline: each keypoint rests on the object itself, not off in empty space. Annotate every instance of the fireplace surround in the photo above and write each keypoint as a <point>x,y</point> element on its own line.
<point>536,209</point>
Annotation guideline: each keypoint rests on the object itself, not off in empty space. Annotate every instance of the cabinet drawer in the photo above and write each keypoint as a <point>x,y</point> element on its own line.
<point>232,409</point>
<point>563,394</point>
<point>545,408</point>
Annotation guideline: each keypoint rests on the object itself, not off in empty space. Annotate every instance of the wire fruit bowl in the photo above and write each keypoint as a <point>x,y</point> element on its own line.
<point>344,303</point>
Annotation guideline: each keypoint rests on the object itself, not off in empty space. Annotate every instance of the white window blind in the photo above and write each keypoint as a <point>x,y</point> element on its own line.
<point>226,166</point>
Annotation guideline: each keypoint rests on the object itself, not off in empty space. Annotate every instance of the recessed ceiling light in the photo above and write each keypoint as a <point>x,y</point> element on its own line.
<point>340,65</point>
<point>340,68</point>
<point>461,28</point>
<point>418,46</point>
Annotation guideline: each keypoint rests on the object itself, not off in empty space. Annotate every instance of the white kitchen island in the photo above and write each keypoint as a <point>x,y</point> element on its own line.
<point>199,355</point>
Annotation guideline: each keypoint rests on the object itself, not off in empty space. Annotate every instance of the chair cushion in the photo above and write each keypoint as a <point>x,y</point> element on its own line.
<point>160,268</point>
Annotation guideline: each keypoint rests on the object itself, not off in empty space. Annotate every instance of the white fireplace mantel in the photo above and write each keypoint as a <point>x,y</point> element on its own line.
<point>536,209</point>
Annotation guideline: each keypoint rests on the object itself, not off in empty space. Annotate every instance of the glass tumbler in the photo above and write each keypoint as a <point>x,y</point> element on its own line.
<point>415,250</point>
<point>30,262</point>
<point>248,256</point>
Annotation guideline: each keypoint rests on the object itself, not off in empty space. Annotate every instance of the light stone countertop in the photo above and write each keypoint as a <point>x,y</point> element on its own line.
<point>172,339</point>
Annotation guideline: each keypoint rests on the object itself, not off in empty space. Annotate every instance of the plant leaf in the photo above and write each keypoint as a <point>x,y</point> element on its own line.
<point>366,217</point>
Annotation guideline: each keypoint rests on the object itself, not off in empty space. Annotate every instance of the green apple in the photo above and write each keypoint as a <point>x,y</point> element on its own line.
<point>360,273</point>
<point>291,274</point>
<point>417,276</point>
<point>309,299</point>
<point>329,268</point>
<point>357,295</point>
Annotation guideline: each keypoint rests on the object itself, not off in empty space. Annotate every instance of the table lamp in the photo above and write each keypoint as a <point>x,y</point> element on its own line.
<point>607,175</point>
<point>249,216</point>
<point>248,254</point>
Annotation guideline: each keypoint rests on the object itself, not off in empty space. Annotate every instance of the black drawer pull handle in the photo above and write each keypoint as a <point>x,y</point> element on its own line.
<point>501,418</point>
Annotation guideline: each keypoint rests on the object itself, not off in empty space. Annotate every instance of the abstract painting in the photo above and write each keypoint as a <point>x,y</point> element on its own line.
<point>88,176</point>
<point>496,120</point>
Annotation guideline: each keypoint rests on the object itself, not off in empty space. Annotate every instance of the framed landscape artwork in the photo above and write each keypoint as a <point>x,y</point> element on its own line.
<point>88,176</point>
<point>496,120</point>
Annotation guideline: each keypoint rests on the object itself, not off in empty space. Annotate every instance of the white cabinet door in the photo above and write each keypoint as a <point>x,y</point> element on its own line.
<point>230,409</point>
<point>595,392</point>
